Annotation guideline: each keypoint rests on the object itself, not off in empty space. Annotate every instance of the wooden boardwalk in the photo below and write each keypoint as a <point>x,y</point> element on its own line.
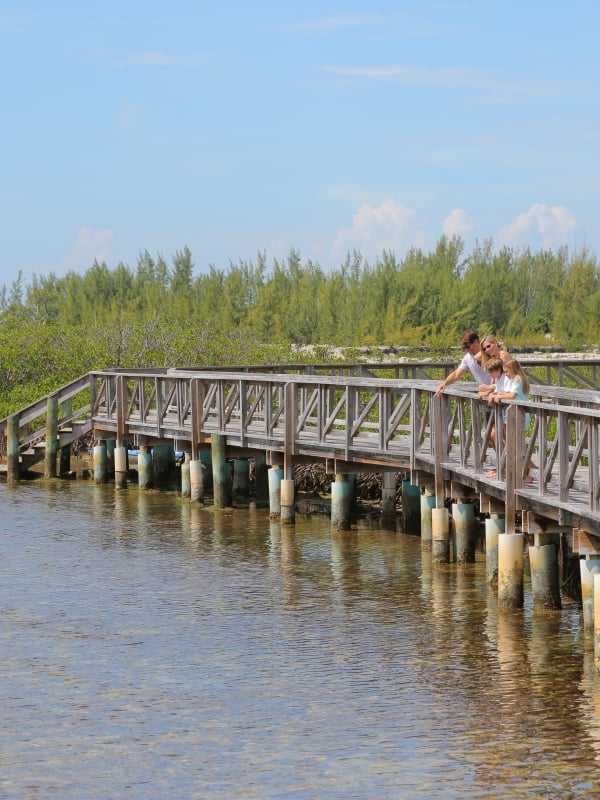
<point>353,420</point>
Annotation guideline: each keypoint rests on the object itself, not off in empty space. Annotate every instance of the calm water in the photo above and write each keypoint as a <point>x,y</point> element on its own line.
<point>155,650</point>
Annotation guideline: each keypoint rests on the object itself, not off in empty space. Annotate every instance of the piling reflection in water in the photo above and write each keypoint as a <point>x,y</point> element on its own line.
<point>159,649</point>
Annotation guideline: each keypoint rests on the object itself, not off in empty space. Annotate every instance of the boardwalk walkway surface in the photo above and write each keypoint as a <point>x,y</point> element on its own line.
<point>354,418</point>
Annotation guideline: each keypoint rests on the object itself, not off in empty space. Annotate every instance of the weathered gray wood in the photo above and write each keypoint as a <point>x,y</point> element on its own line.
<point>361,422</point>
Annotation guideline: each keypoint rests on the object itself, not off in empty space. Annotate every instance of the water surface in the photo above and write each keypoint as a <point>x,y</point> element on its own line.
<point>151,649</point>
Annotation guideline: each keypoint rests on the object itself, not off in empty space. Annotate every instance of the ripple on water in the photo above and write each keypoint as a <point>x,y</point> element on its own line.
<point>154,649</point>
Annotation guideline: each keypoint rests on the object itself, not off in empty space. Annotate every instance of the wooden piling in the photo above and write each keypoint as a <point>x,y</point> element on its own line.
<point>543,561</point>
<point>589,567</point>
<point>597,620</point>
<point>510,570</point>
<point>197,475</point>
<point>411,508</point>
<point>120,461</point>
<point>463,516</point>
<point>427,505</point>
<point>100,475</point>
<point>145,469</point>
<point>494,526</point>
<point>341,502</point>
<point>388,494</point>
<point>64,453</point>
<point>12,449</point>
<point>186,486</point>
<point>241,477</point>
<point>440,536</point>
<point>275,478</point>
<point>261,476</point>
<point>288,501</point>
<point>51,436</point>
<point>222,480</point>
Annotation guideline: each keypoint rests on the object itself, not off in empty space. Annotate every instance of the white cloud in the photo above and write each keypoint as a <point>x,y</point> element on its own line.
<point>157,59</point>
<point>90,245</point>
<point>324,25</point>
<point>459,78</point>
<point>390,226</point>
<point>544,226</point>
<point>458,223</point>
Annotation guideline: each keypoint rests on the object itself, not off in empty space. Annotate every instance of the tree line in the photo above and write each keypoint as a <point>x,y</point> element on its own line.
<point>160,314</point>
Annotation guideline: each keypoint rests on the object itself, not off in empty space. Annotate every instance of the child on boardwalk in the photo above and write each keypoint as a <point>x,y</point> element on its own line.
<point>515,387</point>
<point>500,384</point>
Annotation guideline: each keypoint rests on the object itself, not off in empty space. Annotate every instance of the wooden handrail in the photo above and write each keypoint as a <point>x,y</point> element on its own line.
<point>358,423</point>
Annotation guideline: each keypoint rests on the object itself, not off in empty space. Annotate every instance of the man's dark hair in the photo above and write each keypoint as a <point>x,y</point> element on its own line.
<point>469,337</point>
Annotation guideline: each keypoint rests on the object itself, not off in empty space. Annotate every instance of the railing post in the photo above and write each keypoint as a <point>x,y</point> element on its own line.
<point>437,448</point>
<point>287,485</point>
<point>510,544</point>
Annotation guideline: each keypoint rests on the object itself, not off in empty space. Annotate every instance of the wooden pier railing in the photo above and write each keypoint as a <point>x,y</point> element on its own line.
<point>352,423</point>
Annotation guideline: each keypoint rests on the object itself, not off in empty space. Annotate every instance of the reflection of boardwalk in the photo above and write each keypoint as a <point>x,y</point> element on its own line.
<point>353,423</point>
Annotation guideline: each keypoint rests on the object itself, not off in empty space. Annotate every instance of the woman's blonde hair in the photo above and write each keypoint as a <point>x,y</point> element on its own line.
<point>489,339</point>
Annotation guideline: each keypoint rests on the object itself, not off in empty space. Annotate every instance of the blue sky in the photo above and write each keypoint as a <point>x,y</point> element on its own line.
<point>235,127</point>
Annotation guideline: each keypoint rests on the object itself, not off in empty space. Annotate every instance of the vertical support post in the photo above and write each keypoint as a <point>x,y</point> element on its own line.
<point>206,459</point>
<point>12,448</point>
<point>100,461</point>
<point>341,502</point>
<point>197,471</point>
<point>261,476</point>
<point>163,463</point>
<point>290,430</point>
<point>120,455</point>
<point>275,478</point>
<point>588,567</point>
<point>222,484</point>
<point>64,453</point>
<point>388,494</point>
<point>494,525</point>
<point>440,536</point>
<point>438,445</point>
<point>51,436</point>
<point>463,515</point>
<point>510,570</point>
<point>288,501</point>
<point>427,506</point>
<point>110,457</point>
<point>186,486</point>
<point>241,477</point>
<point>145,468</point>
<point>411,508</point>
<point>597,620</point>
<point>543,561</point>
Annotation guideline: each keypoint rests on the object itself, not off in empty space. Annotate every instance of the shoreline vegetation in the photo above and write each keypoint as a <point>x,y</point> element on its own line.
<point>159,314</point>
